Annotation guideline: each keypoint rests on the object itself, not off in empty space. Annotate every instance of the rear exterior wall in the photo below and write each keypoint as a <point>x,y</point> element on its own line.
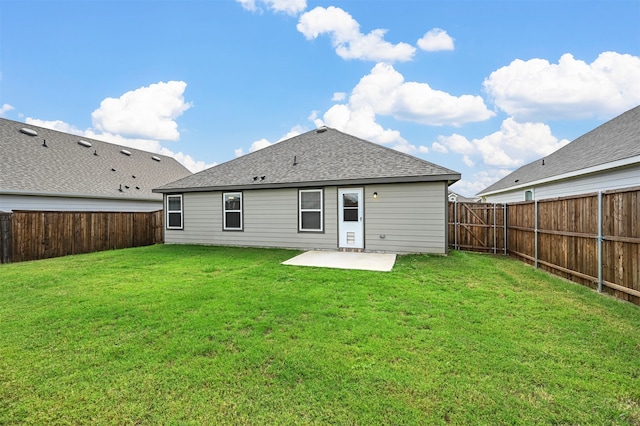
<point>404,218</point>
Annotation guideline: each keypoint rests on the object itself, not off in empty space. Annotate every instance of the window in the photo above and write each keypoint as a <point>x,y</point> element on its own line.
<point>310,210</point>
<point>174,211</point>
<point>232,211</point>
<point>528,195</point>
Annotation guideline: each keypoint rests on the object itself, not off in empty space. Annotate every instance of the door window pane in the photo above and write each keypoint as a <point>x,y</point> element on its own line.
<point>350,200</point>
<point>350,215</point>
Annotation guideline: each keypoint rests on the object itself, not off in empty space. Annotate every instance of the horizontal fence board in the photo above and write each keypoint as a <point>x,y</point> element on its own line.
<point>33,235</point>
<point>563,237</point>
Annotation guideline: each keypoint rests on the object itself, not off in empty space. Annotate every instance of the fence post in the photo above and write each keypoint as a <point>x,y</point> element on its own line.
<point>455,224</point>
<point>495,229</point>
<point>504,219</point>
<point>600,242</point>
<point>535,231</point>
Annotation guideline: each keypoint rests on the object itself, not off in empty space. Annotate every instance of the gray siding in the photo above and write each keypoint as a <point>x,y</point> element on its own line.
<point>39,203</point>
<point>270,220</point>
<point>604,181</point>
<point>411,217</point>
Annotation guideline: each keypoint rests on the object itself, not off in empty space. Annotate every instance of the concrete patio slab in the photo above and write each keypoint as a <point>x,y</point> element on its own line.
<point>344,260</point>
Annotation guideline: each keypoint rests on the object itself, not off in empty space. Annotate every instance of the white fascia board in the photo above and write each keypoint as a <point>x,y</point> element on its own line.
<point>589,170</point>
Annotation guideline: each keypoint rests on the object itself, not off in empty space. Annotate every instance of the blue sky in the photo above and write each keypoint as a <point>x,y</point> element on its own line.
<point>480,87</point>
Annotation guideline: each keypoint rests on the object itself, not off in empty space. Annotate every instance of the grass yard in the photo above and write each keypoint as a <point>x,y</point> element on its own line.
<point>210,335</point>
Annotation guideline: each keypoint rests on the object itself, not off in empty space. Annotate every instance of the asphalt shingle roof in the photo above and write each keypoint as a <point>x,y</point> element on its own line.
<point>614,140</point>
<point>64,167</point>
<point>320,157</point>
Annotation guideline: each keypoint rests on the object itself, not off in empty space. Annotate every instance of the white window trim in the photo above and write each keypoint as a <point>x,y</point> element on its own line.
<point>225,211</point>
<point>301,210</point>
<point>181,211</point>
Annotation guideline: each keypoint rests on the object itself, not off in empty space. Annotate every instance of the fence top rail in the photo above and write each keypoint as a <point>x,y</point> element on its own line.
<point>78,211</point>
<point>618,191</point>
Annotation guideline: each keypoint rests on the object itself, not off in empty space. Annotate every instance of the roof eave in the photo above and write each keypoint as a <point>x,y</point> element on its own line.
<point>449,178</point>
<point>577,173</point>
<point>76,195</point>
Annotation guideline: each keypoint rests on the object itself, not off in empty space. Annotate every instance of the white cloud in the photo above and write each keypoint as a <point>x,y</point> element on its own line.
<point>259,144</point>
<point>384,92</point>
<point>347,39</point>
<point>58,125</point>
<point>144,144</point>
<point>480,181</point>
<point>263,143</point>
<point>537,89</point>
<point>435,40</point>
<point>339,96</point>
<point>437,147</point>
<point>423,149</point>
<point>291,7</point>
<point>5,108</point>
<point>149,112</point>
<point>512,146</point>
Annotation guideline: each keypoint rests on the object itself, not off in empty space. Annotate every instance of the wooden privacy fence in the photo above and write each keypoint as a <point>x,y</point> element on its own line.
<point>592,239</point>
<point>31,235</point>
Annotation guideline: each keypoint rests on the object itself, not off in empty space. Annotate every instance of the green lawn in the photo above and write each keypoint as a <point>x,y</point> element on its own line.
<point>210,335</point>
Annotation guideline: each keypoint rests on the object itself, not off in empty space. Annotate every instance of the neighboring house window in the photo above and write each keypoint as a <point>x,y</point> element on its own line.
<point>310,210</point>
<point>232,211</point>
<point>174,212</point>
<point>528,195</point>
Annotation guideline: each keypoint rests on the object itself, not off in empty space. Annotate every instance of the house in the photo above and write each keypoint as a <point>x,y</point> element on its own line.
<point>44,169</point>
<point>323,189</point>
<point>455,197</point>
<point>607,157</point>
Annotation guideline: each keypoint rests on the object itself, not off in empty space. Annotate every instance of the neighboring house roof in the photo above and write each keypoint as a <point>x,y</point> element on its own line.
<point>616,143</point>
<point>323,156</point>
<point>69,167</point>
<point>461,198</point>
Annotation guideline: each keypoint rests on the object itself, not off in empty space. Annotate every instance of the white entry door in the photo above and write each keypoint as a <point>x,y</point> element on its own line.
<point>350,218</point>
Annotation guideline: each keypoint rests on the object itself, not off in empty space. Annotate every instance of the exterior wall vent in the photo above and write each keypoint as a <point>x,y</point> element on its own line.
<point>155,158</point>
<point>29,132</point>
<point>125,152</point>
<point>84,143</point>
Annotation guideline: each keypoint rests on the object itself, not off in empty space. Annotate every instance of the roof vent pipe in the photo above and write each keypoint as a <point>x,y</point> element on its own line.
<point>44,143</point>
<point>295,160</point>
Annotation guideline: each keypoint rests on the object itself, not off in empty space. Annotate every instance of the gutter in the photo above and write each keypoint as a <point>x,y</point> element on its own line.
<point>589,170</point>
<point>75,195</point>
<point>449,178</point>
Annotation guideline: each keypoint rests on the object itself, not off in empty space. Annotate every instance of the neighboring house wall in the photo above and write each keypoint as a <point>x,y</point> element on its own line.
<point>604,181</point>
<point>30,202</point>
<point>411,217</point>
